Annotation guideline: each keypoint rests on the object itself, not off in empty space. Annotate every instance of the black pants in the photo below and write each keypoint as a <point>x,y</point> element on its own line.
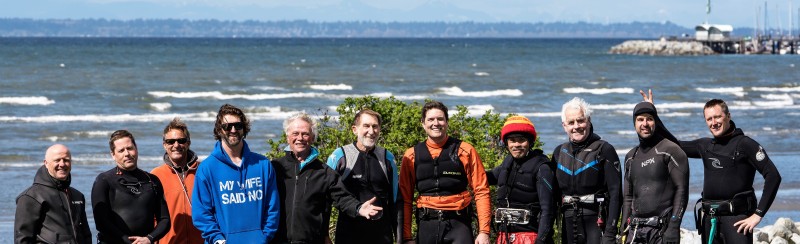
<point>726,232</point>
<point>446,231</point>
<point>361,230</point>
<point>587,230</point>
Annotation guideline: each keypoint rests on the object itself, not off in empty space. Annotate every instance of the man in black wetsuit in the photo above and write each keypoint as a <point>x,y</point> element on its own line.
<point>656,182</point>
<point>128,203</point>
<point>730,161</point>
<point>589,179</point>
<point>525,187</point>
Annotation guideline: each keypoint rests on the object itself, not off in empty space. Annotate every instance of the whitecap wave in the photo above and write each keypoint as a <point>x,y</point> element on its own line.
<point>599,91</point>
<point>777,89</point>
<point>331,87</point>
<point>481,73</point>
<point>261,113</point>
<point>160,106</point>
<point>220,96</point>
<point>478,110</point>
<point>269,88</point>
<point>457,92</point>
<point>783,96</point>
<point>541,114</point>
<point>660,106</point>
<point>737,91</point>
<point>26,100</point>
<point>92,134</point>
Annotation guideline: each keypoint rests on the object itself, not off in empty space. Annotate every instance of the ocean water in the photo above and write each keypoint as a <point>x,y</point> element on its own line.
<point>77,91</point>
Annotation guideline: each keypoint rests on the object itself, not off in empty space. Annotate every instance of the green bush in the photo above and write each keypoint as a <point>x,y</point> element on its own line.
<point>402,129</point>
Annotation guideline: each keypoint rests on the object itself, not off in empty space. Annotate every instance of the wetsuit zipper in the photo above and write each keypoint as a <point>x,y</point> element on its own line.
<point>290,226</point>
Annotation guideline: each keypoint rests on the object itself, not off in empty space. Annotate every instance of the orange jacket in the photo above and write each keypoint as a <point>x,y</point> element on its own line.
<point>477,181</point>
<point>179,204</point>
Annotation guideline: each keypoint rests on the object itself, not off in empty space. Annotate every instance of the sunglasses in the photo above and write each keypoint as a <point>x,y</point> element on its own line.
<point>237,125</point>
<point>172,141</point>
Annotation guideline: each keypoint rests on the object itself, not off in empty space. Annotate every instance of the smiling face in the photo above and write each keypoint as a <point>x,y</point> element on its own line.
<point>299,136</point>
<point>232,131</point>
<point>125,153</point>
<point>717,120</point>
<point>58,161</point>
<point>367,132</point>
<point>518,146</point>
<point>576,125</point>
<point>435,125</point>
<point>645,125</point>
<point>176,151</point>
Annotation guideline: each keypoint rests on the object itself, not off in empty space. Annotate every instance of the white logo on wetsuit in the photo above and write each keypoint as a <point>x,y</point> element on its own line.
<point>648,162</point>
<point>357,176</point>
<point>715,162</point>
<point>760,155</point>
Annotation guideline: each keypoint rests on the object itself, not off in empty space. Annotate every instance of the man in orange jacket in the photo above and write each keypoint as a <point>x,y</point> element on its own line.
<point>442,169</point>
<point>177,176</point>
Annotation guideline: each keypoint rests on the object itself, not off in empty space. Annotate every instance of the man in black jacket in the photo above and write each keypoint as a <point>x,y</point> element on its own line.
<point>307,187</point>
<point>730,161</point>
<point>589,179</point>
<point>50,211</point>
<point>525,181</point>
<point>656,182</point>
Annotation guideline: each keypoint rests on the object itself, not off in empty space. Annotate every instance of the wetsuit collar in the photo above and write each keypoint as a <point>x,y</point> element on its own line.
<point>311,156</point>
<point>589,140</point>
<point>433,144</point>
<point>44,178</point>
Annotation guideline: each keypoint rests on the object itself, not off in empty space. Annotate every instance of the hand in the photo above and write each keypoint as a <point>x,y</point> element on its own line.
<point>673,233</point>
<point>482,238</point>
<point>139,240</point>
<point>747,225</point>
<point>368,210</point>
<point>647,97</point>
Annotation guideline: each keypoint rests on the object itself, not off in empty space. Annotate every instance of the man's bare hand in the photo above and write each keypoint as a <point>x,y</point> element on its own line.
<point>368,210</point>
<point>648,97</point>
<point>747,225</point>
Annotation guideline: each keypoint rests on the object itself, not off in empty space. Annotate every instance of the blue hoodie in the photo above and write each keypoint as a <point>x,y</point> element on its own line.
<point>236,204</point>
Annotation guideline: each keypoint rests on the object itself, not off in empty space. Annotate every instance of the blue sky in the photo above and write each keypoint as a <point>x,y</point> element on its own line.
<point>740,13</point>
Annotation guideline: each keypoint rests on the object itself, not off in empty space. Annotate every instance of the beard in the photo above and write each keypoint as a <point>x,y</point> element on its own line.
<point>366,141</point>
<point>232,140</point>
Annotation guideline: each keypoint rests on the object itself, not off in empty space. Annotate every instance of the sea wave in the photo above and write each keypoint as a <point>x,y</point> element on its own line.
<point>630,106</point>
<point>541,114</point>
<point>220,96</point>
<point>457,92</point>
<point>782,96</point>
<point>481,73</point>
<point>777,89</point>
<point>478,110</point>
<point>737,91</point>
<point>160,106</point>
<point>331,87</point>
<point>26,100</point>
<point>598,91</point>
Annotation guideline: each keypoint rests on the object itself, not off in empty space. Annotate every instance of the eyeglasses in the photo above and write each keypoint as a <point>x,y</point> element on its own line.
<point>237,125</point>
<point>179,140</point>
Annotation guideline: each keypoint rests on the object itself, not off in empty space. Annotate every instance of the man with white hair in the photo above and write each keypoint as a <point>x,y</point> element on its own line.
<point>307,187</point>
<point>589,179</point>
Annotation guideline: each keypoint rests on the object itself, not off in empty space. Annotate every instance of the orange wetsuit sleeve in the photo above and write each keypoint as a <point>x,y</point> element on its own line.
<point>479,183</point>
<point>407,185</point>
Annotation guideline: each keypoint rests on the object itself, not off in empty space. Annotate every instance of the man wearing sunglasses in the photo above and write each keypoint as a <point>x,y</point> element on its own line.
<point>177,174</point>
<point>235,198</point>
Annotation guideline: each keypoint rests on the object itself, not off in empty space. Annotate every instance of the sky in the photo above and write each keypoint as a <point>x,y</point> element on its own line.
<point>687,13</point>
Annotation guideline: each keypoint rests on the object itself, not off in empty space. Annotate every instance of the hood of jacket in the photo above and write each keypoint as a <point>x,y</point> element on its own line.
<point>661,131</point>
<point>220,154</point>
<point>43,178</point>
<point>191,162</point>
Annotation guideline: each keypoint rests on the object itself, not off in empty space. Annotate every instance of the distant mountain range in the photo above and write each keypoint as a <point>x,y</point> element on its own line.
<point>16,27</point>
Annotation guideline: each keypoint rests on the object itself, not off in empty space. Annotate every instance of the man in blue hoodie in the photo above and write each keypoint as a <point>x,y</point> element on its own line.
<point>235,197</point>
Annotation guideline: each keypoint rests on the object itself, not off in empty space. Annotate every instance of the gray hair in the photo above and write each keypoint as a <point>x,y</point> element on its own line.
<point>305,117</point>
<point>576,103</point>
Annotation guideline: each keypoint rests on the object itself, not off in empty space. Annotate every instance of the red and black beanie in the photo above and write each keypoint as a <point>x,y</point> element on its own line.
<point>518,125</point>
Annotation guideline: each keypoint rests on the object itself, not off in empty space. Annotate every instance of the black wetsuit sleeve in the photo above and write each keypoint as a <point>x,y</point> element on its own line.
<point>679,173</point>
<point>627,191</point>
<point>28,219</point>
<point>101,207</point>
<point>691,148</point>
<point>493,174</point>
<point>161,212</point>
<point>772,178</point>
<point>613,178</point>
<point>87,233</point>
<point>345,202</point>
<point>544,188</point>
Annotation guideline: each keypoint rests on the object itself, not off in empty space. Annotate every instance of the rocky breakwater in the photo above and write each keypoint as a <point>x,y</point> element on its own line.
<point>661,48</point>
<point>784,231</point>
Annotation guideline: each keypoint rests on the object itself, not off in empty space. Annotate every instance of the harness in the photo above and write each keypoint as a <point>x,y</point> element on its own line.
<point>741,203</point>
<point>351,154</point>
<point>516,213</point>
